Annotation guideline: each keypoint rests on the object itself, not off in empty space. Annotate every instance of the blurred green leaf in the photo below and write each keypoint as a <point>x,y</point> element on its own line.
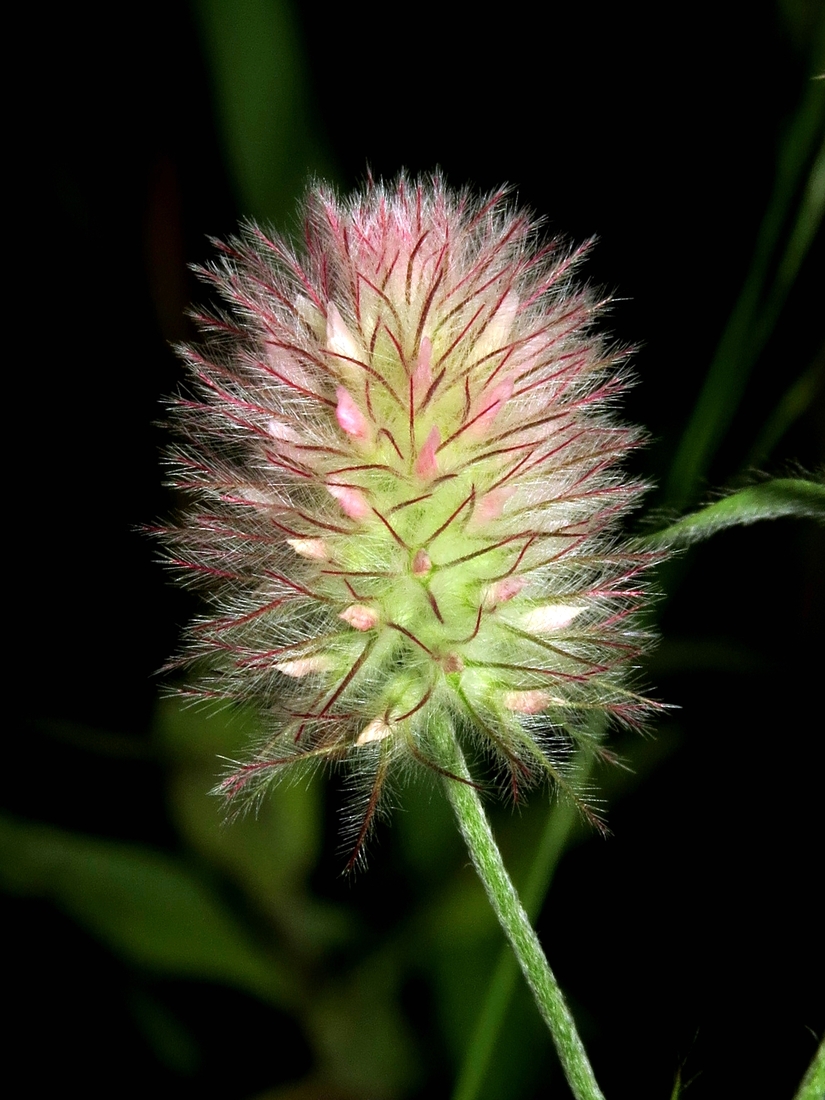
<point>350,1011</point>
<point>271,853</point>
<point>146,906</point>
<point>360,1030</point>
<point>770,500</point>
<point>260,87</point>
<point>172,1043</point>
<point>795,402</point>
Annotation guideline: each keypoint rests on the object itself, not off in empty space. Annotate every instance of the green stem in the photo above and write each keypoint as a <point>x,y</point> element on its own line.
<point>560,823</point>
<point>484,852</point>
<point>813,1083</point>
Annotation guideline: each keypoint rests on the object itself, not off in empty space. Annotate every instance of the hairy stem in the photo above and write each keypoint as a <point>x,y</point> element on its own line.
<point>484,852</point>
<point>560,824</point>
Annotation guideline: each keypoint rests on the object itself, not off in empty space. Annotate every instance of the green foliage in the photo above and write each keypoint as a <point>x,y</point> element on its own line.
<point>261,97</point>
<point>150,908</point>
<point>769,500</point>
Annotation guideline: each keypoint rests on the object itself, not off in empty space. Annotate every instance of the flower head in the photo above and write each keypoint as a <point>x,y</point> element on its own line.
<point>406,491</point>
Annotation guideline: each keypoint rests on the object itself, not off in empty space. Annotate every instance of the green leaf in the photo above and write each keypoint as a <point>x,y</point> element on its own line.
<point>269,854</point>
<point>813,1083</point>
<point>770,500</point>
<point>146,906</point>
<point>255,56</point>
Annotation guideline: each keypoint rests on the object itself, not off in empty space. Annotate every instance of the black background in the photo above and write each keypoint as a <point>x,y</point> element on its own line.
<point>694,933</point>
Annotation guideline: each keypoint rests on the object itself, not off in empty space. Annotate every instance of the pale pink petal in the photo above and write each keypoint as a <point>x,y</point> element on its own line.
<point>526,702</point>
<point>497,333</point>
<point>310,315</point>
<point>491,505</point>
<point>360,616</point>
<point>353,502</point>
<point>423,374</point>
<point>282,431</point>
<point>255,496</point>
<point>502,323</point>
<point>502,591</point>
<point>426,465</point>
<point>421,563</point>
<point>349,416</point>
<point>492,402</point>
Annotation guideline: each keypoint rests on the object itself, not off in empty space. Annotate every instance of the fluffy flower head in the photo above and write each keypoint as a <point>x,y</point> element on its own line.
<point>406,492</point>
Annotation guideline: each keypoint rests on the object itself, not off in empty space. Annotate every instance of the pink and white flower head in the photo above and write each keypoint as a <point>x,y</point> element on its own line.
<point>406,492</point>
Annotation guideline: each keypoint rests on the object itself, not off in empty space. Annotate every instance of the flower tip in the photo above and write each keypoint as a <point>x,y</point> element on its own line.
<point>309,548</point>
<point>526,702</point>
<point>421,564</point>
<point>360,616</point>
<point>502,591</point>
<point>353,503</point>
<point>340,341</point>
<point>349,416</point>
<point>491,505</point>
<point>303,666</point>
<point>426,465</point>
<point>376,730</point>
<point>549,618</point>
<point>423,374</point>
<point>492,404</point>
<point>282,432</point>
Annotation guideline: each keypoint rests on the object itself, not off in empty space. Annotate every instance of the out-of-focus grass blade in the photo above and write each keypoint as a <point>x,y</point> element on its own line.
<point>349,1008</point>
<point>261,94</point>
<point>770,500</point>
<point>797,399</point>
<point>146,906</point>
<point>800,173</point>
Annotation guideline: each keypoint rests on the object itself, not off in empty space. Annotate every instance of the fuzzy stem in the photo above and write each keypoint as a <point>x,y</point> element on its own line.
<point>560,824</point>
<point>486,857</point>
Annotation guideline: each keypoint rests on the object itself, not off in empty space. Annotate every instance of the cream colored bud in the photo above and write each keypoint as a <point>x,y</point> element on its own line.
<point>377,730</point>
<point>310,315</point>
<point>309,548</point>
<point>303,666</point>
<point>278,430</point>
<point>549,618</point>
<point>254,496</point>
<point>526,702</point>
<point>340,340</point>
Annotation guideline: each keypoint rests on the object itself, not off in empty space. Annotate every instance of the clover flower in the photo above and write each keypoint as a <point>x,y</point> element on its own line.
<point>406,494</point>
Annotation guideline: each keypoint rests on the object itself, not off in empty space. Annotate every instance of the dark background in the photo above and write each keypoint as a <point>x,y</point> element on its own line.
<point>692,937</point>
